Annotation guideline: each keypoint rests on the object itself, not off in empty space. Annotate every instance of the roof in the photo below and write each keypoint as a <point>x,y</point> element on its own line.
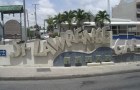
<point>120,20</point>
<point>32,29</point>
<point>115,23</point>
<point>11,9</point>
<point>125,23</point>
<point>65,23</point>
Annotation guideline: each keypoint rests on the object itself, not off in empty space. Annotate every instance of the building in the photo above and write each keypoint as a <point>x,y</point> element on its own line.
<point>127,9</point>
<point>121,28</point>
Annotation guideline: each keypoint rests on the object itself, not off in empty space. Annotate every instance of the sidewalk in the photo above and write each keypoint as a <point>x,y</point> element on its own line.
<point>36,73</point>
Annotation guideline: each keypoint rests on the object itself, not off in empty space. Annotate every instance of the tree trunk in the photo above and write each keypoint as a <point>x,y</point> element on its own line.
<point>81,29</point>
<point>60,27</point>
<point>69,26</point>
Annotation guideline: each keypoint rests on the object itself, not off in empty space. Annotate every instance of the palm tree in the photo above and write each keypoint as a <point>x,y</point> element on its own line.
<point>51,24</point>
<point>80,16</point>
<point>58,20</point>
<point>101,18</point>
<point>68,17</point>
<point>89,16</point>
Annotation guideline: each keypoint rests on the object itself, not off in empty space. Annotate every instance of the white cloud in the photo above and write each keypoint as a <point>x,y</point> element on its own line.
<point>3,3</point>
<point>17,3</point>
<point>91,8</point>
<point>96,5</point>
<point>85,2</point>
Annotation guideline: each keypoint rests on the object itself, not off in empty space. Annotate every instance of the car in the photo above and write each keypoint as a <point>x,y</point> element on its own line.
<point>44,36</point>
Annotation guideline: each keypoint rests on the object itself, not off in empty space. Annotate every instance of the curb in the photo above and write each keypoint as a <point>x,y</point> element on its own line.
<point>66,76</point>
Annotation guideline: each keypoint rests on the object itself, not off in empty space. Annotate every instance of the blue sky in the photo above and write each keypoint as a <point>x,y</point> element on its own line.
<point>52,7</point>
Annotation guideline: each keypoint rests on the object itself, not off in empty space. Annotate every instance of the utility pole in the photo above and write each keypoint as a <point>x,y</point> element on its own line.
<point>28,19</point>
<point>35,13</point>
<point>108,3</point>
<point>44,25</point>
<point>25,30</point>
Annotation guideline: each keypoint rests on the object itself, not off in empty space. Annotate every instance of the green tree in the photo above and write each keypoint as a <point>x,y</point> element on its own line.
<point>29,33</point>
<point>68,17</point>
<point>89,16</point>
<point>58,19</point>
<point>37,34</point>
<point>51,23</point>
<point>80,16</point>
<point>101,18</point>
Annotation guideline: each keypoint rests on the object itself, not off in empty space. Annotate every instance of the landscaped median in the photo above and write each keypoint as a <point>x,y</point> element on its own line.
<point>44,73</point>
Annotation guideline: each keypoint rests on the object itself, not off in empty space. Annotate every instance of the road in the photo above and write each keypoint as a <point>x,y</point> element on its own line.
<point>127,81</point>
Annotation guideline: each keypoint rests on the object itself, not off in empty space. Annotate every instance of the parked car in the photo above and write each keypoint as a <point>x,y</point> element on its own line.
<point>44,36</point>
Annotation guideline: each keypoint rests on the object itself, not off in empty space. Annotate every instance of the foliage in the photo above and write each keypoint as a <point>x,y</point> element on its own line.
<point>89,16</point>
<point>30,34</point>
<point>68,17</point>
<point>107,58</point>
<point>101,18</point>
<point>81,16</point>
<point>53,35</point>
<point>98,59</point>
<point>78,61</point>
<point>50,28</point>
<point>37,27</point>
<point>58,19</point>
<point>51,24</point>
<point>67,62</point>
<point>88,59</point>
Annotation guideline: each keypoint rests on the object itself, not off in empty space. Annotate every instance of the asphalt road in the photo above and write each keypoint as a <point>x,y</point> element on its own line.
<point>127,81</point>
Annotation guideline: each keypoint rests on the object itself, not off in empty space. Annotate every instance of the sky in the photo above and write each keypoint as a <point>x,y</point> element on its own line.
<point>46,8</point>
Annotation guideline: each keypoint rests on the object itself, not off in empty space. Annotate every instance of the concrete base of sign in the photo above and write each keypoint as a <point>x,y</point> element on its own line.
<point>93,64</point>
<point>98,64</point>
<point>107,63</point>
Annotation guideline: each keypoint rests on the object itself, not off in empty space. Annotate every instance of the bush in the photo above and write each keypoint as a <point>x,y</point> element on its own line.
<point>98,60</point>
<point>30,33</point>
<point>88,59</point>
<point>67,62</point>
<point>78,61</point>
<point>107,58</point>
<point>20,42</point>
<point>53,35</point>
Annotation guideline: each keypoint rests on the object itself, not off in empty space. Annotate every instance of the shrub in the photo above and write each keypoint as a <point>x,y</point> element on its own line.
<point>67,62</point>
<point>78,61</point>
<point>53,35</point>
<point>98,60</point>
<point>107,58</point>
<point>88,59</point>
<point>20,42</point>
